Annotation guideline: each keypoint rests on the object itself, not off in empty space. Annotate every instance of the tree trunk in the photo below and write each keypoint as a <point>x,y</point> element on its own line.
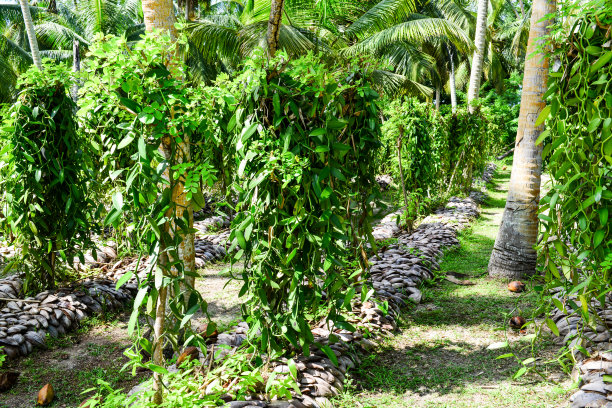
<point>274,23</point>
<point>52,7</point>
<point>451,79</point>
<point>29,24</point>
<point>514,255</point>
<point>478,58</point>
<point>438,97</point>
<point>76,67</point>
<point>190,10</point>
<point>159,14</point>
<point>401,171</point>
<point>522,8</point>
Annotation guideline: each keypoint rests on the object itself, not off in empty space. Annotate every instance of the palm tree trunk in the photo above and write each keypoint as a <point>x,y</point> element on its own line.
<point>29,24</point>
<point>522,8</point>
<point>478,58</point>
<point>159,14</point>
<point>401,171</point>
<point>190,10</point>
<point>274,23</point>
<point>76,67</point>
<point>438,97</point>
<point>514,255</point>
<point>52,7</point>
<point>451,79</point>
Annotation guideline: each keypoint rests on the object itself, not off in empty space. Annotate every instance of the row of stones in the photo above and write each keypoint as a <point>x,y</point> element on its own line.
<point>593,391</point>
<point>396,272</point>
<point>26,322</point>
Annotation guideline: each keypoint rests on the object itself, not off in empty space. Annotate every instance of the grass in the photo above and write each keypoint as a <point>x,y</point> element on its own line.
<point>440,357</point>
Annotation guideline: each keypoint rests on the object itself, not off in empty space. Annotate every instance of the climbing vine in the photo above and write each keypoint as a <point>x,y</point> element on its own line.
<point>306,134</point>
<point>577,240</point>
<point>47,183</point>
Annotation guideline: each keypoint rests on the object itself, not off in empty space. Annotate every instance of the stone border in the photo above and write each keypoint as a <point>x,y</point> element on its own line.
<point>593,390</point>
<point>25,322</point>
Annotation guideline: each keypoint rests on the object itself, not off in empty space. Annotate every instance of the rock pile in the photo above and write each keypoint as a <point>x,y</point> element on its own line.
<point>10,288</point>
<point>593,390</point>
<point>387,227</point>
<point>25,323</point>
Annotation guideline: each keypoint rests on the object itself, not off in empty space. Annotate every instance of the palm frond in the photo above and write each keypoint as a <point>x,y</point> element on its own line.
<point>56,36</point>
<point>214,41</point>
<point>380,17</point>
<point>416,31</point>
<point>395,85</point>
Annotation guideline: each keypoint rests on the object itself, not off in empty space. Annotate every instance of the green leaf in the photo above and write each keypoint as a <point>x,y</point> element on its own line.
<point>330,354</point>
<point>520,373</point>
<point>598,238</point>
<point>543,115</point>
<point>125,141</point>
<point>118,201</point>
<point>142,148</point>
<point>552,326</point>
<point>240,239</point>
<point>132,106</point>
<point>123,279</point>
<point>498,345</point>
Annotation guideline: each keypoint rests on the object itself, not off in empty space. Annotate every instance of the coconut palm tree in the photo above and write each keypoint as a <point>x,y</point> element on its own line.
<point>276,16</point>
<point>513,254</point>
<point>27,19</point>
<point>478,58</point>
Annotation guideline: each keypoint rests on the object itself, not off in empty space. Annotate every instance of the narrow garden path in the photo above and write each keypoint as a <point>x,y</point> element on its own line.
<point>440,357</point>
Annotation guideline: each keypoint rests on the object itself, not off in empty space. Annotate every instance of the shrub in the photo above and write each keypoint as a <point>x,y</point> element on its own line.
<point>305,141</point>
<point>46,177</point>
<point>577,242</point>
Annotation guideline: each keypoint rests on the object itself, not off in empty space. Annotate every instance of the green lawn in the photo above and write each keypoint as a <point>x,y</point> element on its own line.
<point>440,356</point>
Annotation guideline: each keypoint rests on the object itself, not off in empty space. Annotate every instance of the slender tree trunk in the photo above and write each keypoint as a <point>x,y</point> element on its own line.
<point>401,171</point>
<point>438,97</point>
<point>159,14</point>
<point>190,10</point>
<point>522,5</point>
<point>274,23</point>
<point>514,255</point>
<point>29,24</point>
<point>76,67</point>
<point>478,58</point>
<point>158,333</point>
<point>451,78</point>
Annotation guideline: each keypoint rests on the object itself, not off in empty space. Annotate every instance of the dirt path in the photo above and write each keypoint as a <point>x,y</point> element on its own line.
<point>440,358</point>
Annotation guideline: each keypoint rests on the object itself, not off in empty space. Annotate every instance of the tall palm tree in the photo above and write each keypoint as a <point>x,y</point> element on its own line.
<point>478,58</point>
<point>276,16</point>
<point>513,254</point>
<point>27,19</point>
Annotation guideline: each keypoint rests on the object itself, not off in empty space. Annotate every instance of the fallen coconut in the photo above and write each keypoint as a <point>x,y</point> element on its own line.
<point>45,395</point>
